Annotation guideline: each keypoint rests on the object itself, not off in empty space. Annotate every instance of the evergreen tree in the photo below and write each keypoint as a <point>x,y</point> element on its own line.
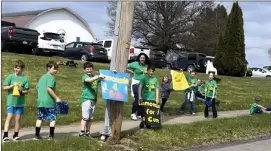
<point>231,56</point>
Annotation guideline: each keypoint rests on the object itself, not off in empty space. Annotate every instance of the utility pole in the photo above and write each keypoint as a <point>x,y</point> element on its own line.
<point>119,60</point>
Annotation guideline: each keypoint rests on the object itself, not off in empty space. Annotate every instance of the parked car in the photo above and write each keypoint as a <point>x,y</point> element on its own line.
<point>157,58</point>
<point>267,68</point>
<point>50,43</point>
<point>134,51</point>
<point>185,60</point>
<point>260,72</point>
<point>85,51</point>
<point>16,36</point>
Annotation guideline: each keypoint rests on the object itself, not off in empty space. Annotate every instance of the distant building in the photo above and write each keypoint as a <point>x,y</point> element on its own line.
<point>64,21</point>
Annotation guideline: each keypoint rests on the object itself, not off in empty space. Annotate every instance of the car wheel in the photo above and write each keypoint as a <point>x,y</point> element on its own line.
<point>268,76</point>
<point>190,68</point>
<point>168,66</point>
<point>84,57</point>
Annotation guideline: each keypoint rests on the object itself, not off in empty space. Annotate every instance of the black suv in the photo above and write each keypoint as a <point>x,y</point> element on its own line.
<point>186,60</point>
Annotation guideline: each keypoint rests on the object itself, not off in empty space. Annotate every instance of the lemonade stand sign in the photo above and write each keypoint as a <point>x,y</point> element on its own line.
<point>115,85</point>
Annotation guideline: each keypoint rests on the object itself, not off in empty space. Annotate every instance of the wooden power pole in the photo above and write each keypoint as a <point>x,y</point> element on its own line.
<point>119,60</point>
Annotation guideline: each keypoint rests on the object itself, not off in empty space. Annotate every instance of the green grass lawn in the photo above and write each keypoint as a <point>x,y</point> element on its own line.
<point>234,93</point>
<point>204,132</point>
<point>170,136</point>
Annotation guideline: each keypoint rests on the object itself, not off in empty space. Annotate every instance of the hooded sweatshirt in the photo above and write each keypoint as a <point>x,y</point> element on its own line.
<point>166,89</point>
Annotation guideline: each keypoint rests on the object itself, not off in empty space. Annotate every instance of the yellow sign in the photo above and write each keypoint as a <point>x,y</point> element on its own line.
<point>179,80</point>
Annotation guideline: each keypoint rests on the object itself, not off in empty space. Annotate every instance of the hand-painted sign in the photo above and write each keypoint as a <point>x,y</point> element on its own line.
<point>115,85</point>
<point>152,114</point>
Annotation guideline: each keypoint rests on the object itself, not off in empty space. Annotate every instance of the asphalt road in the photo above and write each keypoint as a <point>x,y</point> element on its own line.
<point>263,145</point>
<point>260,144</point>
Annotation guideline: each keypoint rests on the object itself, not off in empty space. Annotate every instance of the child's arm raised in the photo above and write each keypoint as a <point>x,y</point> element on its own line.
<point>94,78</point>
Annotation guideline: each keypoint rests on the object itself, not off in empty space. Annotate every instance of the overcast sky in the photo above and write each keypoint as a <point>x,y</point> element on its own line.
<point>257,22</point>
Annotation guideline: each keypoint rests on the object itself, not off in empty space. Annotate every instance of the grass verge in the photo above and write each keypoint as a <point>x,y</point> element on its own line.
<point>204,133</point>
<point>234,93</point>
<point>170,136</point>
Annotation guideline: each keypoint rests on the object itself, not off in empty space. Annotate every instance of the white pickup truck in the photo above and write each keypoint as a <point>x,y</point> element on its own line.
<point>134,52</point>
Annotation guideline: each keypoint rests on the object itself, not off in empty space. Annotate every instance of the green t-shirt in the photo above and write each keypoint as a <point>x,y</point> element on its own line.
<point>149,85</point>
<point>23,83</point>
<point>191,80</point>
<point>253,107</point>
<point>201,89</point>
<point>138,69</point>
<point>210,86</point>
<point>90,89</point>
<point>44,98</point>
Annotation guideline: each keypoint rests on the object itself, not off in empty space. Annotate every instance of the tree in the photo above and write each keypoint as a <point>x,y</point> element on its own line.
<point>206,30</point>
<point>161,23</point>
<point>231,53</point>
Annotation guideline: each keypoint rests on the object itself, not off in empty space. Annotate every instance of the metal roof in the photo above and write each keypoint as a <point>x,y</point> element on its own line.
<point>23,19</point>
<point>25,13</point>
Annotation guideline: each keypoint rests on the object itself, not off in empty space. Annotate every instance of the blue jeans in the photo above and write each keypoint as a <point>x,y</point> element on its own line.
<point>135,106</point>
<point>186,101</point>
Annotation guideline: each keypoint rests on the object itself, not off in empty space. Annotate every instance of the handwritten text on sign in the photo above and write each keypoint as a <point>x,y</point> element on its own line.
<point>115,85</point>
<point>152,114</point>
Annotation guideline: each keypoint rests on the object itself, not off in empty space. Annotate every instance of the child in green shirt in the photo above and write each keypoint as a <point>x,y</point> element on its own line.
<point>148,90</point>
<point>200,93</point>
<point>47,99</point>
<point>15,104</point>
<point>190,93</point>
<point>256,108</point>
<point>210,95</point>
<point>89,97</point>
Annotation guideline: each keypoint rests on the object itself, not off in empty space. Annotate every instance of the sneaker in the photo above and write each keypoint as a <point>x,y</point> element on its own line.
<point>133,117</point>
<point>103,138</point>
<point>81,133</point>
<point>15,138</point>
<point>87,134</point>
<point>5,139</point>
<point>37,138</point>
<point>193,113</point>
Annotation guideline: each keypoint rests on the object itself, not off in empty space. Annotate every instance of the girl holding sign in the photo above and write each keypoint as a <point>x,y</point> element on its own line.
<point>138,69</point>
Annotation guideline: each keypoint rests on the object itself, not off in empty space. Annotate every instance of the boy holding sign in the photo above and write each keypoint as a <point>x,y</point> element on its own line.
<point>148,92</point>
<point>17,85</point>
<point>89,97</point>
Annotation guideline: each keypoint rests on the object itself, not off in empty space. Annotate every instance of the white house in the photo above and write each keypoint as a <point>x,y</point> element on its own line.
<point>64,21</point>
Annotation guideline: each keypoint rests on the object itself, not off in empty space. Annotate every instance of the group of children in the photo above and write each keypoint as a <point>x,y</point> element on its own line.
<point>198,90</point>
<point>47,98</point>
<point>148,91</point>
